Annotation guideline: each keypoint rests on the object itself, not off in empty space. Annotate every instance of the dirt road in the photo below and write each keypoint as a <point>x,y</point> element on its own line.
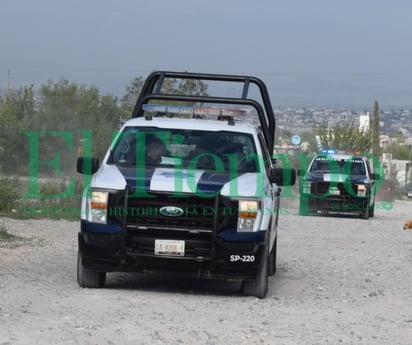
<point>339,281</point>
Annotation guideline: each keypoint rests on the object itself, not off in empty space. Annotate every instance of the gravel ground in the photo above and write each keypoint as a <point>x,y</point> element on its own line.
<point>339,281</point>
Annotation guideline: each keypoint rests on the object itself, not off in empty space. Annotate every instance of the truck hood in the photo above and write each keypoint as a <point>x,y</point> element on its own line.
<point>337,178</point>
<point>192,181</point>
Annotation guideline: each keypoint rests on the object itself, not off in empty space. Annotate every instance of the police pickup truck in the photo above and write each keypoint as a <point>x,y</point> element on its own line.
<point>338,184</point>
<point>188,186</point>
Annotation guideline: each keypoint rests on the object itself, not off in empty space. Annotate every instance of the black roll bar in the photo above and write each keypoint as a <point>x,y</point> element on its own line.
<point>154,82</point>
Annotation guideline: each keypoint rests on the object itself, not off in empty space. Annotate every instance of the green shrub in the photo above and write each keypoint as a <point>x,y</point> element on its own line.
<point>64,207</point>
<point>9,193</point>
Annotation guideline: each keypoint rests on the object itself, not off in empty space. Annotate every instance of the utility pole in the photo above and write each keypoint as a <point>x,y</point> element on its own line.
<point>8,80</point>
<point>375,131</point>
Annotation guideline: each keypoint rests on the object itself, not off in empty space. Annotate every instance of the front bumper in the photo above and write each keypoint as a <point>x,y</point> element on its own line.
<point>204,256</point>
<point>338,204</point>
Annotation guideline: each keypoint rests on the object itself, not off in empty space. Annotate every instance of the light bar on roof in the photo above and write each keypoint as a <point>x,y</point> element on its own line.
<point>206,111</point>
<point>232,112</point>
<point>186,110</point>
<point>161,108</point>
<point>329,151</point>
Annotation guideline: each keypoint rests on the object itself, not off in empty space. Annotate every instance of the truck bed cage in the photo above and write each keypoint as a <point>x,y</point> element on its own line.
<point>154,82</point>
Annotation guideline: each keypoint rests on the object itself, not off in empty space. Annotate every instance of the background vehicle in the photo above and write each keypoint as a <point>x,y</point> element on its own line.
<point>188,187</point>
<point>337,183</point>
<point>408,190</point>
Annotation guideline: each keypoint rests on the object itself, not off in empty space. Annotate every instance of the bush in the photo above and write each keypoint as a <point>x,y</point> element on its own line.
<point>13,205</point>
<point>66,207</point>
<point>9,193</point>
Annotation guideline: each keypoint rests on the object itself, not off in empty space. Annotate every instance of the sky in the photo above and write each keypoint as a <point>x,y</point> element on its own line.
<point>318,52</point>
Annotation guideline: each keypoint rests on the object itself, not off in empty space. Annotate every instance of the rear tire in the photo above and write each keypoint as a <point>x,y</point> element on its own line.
<point>259,286</point>
<point>88,278</point>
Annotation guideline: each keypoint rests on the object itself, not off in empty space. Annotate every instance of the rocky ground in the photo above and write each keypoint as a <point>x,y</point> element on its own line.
<point>339,281</point>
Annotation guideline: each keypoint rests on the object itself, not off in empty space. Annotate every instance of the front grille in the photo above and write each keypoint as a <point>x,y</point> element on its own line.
<point>197,225</point>
<point>198,213</point>
<point>326,188</point>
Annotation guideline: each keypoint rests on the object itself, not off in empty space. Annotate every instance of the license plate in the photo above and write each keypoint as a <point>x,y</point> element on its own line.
<point>169,247</point>
<point>335,192</point>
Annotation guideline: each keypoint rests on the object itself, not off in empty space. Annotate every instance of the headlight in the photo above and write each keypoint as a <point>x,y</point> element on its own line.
<point>247,215</point>
<point>361,190</point>
<point>98,207</point>
<point>306,187</point>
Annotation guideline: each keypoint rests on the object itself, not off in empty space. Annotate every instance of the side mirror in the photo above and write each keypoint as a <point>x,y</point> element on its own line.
<point>283,177</point>
<point>301,172</point>
<point>374,176</point>
<point>87,165</point>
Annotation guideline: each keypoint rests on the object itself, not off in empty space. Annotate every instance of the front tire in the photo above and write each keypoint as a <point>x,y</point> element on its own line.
<point>365,214</point>
<point>372,210</point>
<point>272,259</point>
<point>303,206</point>
<point>88,278</point>
<point>259,286</point>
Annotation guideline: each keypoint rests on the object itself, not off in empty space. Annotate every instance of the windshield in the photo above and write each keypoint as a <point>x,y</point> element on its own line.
<point>220,151</point>
<point>342,166</point>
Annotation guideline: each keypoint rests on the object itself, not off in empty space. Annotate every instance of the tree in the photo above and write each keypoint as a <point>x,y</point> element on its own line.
<point>376,150</point>
<point>309,138</point>
<point>21,102</point>
<point>77,109</point>
<point>192,87</point>
<point>67,106</point>
<point>346,137</point>
<point>132,92</point>
<point>16,110</point>
<point>169,86</point>
<point>399,151</point>
<point>108,122</point>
